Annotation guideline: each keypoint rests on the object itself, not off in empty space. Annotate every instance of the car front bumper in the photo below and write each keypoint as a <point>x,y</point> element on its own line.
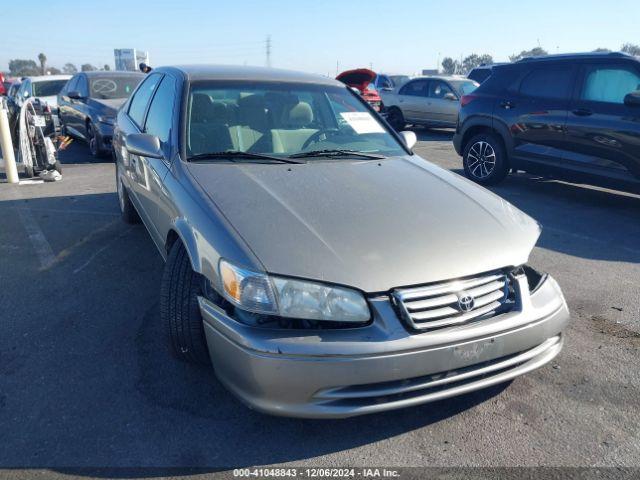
<point>342,373</point>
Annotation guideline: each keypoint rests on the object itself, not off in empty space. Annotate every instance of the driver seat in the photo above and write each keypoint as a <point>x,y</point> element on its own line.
<point>294,131</point>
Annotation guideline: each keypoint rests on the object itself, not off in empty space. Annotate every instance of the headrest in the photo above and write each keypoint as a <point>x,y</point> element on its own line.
<point>252,113</point>
<point>300,115</point>
<point>200,106</point>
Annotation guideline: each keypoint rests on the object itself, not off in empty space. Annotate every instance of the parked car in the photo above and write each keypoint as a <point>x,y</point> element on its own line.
<point>481,73</point>
<point>308,253</point>
<point>3,85</point>
<point>569,116</point>
<point>386,83</point>
<point>361,79</point>
<point>89,103</point>
<point>45,88</point>
<point>429,101</point>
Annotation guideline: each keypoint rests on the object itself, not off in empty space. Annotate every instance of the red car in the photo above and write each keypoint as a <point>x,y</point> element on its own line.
<point>361,79</point>
<point>3,89</point>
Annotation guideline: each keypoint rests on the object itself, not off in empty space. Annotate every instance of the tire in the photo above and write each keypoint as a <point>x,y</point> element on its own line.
<point>396,119</point>
<point>179,309</point>
<point>485,159</point>
<point>127,210</point>
<point>92,141</point>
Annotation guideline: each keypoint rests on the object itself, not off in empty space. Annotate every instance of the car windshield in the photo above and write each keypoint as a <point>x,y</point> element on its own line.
<point>465,87</point>
<point>113,87</point>
<point>282,120</point>
<point>48,88</point>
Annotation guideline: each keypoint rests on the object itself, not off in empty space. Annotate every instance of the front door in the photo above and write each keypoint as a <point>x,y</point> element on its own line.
<point>536,114</point>
<point>444,104</point>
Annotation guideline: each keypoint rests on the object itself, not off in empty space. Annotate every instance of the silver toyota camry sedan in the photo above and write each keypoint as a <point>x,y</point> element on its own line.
<point>323,268</point>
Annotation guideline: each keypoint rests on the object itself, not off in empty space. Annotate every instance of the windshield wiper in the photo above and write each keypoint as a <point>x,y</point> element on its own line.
<point>336,154</point>
<point>235,155</point>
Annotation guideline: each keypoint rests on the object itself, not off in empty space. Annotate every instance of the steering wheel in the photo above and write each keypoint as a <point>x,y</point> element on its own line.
<point>316,137</point>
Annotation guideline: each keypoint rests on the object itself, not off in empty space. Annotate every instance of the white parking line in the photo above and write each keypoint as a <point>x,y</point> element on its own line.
<point>37,238</point>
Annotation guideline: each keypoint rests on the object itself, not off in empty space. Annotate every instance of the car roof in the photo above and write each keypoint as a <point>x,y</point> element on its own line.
<point>448,78</point>
<point>113,73</point>
<point>46,78</point>
<point>577,56</point>
<point>247,73</point>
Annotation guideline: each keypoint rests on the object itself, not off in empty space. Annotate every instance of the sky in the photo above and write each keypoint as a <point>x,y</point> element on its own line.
<point>319,36</point>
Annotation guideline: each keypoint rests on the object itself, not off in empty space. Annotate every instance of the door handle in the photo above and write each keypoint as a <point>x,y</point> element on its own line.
<point>582,112</point>
<point>507,105</point>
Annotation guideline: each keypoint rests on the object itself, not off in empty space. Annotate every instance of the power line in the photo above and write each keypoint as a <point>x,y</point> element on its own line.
<point>268,52</point>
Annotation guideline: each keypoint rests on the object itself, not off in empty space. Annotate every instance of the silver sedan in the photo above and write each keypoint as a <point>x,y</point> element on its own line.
<point>428,101</point>
<point>322,267</point>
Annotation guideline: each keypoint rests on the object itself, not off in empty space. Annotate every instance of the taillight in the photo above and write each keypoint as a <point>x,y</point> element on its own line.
<point>467,99</point>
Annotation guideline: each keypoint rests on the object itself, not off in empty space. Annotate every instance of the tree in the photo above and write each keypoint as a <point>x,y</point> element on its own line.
<point>534,52</point>
<point>106,67</point>
<point>449,66</point>
<point>87,67</point>
<point>69,68</point>
<point>54,71</point>
<point>23,68</point>
<point>601,50</point>
<point>42,58</point>
<point>473,61</point>
<point>631,49</point>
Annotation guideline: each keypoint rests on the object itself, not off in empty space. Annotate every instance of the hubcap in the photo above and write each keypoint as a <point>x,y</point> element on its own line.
<point>481,159</point>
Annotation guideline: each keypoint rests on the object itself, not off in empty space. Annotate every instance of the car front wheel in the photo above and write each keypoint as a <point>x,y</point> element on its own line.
<point>485,160</point>
<point>396,119</point>
<point>179,308</point>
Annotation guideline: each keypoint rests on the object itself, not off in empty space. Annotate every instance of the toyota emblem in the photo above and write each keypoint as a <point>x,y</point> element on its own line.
<point>466,302</point>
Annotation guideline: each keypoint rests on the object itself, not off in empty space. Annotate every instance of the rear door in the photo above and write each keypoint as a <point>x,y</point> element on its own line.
<point>413,100</point>
<point>603,131</point>
<point>535,109</point>
<point>444,104</point>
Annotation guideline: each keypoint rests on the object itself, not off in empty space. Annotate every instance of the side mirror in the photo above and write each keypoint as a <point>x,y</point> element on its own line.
<point>632,99</point>
<point>409,139</point>
<point>144,145</point>
<point>75,95</point>
<point>450,96</point>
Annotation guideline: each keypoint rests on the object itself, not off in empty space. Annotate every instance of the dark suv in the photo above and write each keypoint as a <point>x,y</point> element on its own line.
<point>569,116</point>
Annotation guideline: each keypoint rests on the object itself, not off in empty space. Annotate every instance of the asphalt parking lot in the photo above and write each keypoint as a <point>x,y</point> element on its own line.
<point>86,381</point>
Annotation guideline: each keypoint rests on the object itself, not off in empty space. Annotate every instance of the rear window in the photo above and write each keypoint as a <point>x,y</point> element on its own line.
<point>47,89</point>
<point>553,82</point>
<point>480,74</point>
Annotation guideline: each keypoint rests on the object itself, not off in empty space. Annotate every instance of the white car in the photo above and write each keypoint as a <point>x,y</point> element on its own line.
<point>46,88</point>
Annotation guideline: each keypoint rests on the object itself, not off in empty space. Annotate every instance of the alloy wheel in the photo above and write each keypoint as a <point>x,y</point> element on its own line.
<point>481,159</point>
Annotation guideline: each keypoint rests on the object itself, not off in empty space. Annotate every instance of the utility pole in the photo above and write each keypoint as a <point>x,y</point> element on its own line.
<point>268,50</point>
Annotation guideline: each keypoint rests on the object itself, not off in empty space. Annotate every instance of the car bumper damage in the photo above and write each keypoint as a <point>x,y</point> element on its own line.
<point>384,366</point>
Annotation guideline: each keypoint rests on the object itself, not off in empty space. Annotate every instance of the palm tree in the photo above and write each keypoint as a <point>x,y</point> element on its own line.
<point>42,58</point>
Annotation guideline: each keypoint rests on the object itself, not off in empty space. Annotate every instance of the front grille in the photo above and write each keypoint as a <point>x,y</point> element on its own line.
<point>455,302</point>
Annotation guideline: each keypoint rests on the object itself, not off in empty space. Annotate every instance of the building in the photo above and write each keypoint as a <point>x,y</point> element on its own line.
<point>128,59</point>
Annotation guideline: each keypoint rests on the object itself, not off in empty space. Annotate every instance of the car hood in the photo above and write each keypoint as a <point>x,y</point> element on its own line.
<point>358,78</point>
<point>111,104</point>
<point>370,225</point>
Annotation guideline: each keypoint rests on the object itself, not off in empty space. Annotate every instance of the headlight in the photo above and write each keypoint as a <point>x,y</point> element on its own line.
<point>291,298</point>
<point>106,119</point>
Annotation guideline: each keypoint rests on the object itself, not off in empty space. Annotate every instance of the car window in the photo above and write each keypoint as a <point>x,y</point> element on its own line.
<point>160,113</point>
<point>282,119</point>
<point>47,88</point>
<point>113,86</point>
<point>609,84</point>
<point>82,86</point>
<point>553,82</point>
<point>480,74</point>
<point>438,89</point>
<point>416,88</point>
<point>384,82</point>
<point>139,102</point>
